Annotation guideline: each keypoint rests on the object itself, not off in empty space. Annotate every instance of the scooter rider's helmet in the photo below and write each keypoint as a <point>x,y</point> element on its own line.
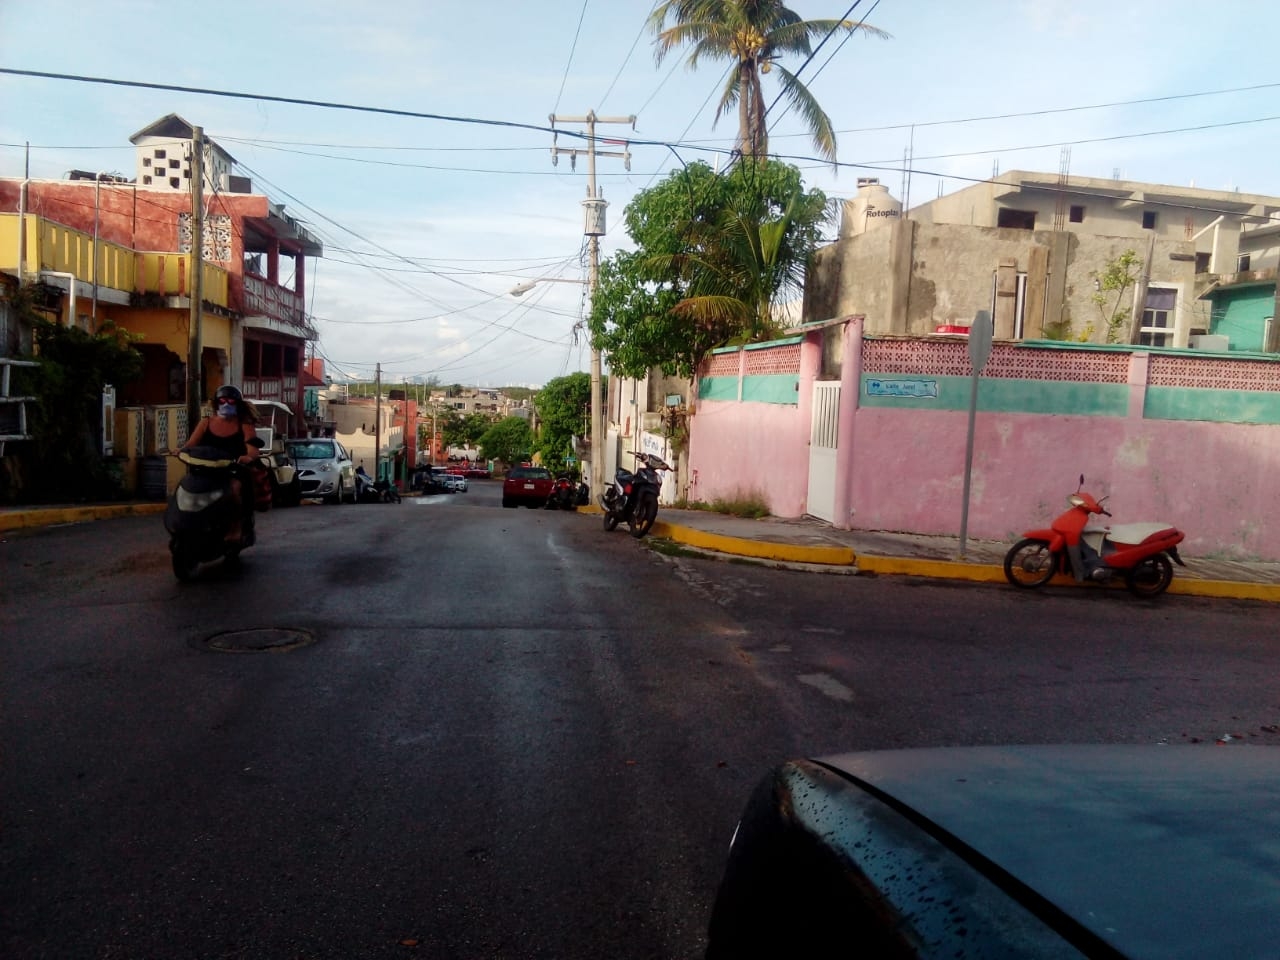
<point>227,391</point>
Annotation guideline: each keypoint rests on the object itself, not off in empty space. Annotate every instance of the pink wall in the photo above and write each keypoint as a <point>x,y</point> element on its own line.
<point>1216,481</point>
<point>740,448</point>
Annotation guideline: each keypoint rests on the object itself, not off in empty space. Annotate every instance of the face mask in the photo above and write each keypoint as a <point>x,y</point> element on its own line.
<point>227,411</point>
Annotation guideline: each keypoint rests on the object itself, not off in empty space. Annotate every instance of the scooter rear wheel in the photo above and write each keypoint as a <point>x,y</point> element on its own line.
<point>1150,577</point>
<point>1030,563</point>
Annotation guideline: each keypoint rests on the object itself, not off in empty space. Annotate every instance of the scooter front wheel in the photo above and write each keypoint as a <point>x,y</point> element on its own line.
<point>646,512</point>
<point>185,561</point>
<point>1030,563</point>
<point>610,520</point>
<point>1150,577</point>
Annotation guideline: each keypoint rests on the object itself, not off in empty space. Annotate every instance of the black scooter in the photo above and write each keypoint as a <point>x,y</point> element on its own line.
<point>633,497</point>
<point>201,510</point>
<point>369,490</point>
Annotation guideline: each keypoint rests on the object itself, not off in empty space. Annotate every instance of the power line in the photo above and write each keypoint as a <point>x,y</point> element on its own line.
<point>572,49</point>
<point>295,101</point>
<point>626,59</point>
<point>1045,112</point>
<point>814,52</point>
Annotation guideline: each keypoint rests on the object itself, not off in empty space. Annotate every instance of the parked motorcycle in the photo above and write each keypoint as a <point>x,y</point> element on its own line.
<point>633,497</point>
<point>1141,552</point>
<point>200,510</point>
<point>386,491</point>
<point>369,490</point>
<point>564,494</point>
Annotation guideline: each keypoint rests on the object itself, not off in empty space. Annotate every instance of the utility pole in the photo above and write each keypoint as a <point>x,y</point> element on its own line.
<point>377,421</point>
<point>194,365</point>
<point>593,211</point>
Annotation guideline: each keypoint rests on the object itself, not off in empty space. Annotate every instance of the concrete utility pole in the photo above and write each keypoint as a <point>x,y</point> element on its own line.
<point>377,421</point>
<point>593,210</point>
<point>194,366</point>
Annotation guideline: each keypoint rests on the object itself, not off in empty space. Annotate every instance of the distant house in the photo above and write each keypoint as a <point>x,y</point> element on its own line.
<point>1030,247</point>
<point>101,250</point>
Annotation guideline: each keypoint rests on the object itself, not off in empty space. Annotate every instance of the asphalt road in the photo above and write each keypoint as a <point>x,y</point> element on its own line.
<point>501,733</point>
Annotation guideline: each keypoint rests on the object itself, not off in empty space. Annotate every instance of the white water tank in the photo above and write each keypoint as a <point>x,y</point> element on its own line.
<point>872,207</point>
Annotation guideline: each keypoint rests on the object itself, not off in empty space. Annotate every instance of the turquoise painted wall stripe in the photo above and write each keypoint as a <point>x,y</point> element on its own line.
<point>1220,406</point>
<point>904,392</point>
<point>718,388</point>
<point>774,388</point>
<point>995,395</point>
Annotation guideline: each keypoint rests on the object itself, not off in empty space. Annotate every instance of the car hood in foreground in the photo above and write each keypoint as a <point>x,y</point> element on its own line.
<point>1130,851</point>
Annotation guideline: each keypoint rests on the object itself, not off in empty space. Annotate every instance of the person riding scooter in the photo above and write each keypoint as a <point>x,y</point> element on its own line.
<point>230,430</point>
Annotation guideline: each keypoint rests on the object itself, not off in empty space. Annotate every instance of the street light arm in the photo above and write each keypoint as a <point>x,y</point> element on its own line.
<point>520,289</point>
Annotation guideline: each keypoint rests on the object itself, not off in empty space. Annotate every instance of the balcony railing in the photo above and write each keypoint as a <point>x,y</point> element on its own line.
<point>57,249</point>
<point>263,298</point>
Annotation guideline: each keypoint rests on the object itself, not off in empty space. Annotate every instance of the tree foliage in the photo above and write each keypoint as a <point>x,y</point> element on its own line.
<point>715,255</point>
<point>65,420</point>
<point>1114,280</point>
<point>508,440</point>
<point>752,35</point>
<point>563,406</point>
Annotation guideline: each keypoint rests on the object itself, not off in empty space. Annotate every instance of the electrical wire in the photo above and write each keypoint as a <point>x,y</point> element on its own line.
<point>627,58</point>
<point>572,49</point>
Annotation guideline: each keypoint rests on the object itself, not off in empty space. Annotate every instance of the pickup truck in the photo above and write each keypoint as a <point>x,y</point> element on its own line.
<point>528,485</point>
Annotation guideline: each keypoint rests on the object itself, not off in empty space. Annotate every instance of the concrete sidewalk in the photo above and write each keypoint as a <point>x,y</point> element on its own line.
<point>811,544</point>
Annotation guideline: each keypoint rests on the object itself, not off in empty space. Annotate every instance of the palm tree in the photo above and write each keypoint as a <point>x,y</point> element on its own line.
<point>752,34</point>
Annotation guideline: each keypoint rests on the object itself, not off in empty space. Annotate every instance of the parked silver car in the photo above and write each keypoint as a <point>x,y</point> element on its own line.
<point>324,469</point>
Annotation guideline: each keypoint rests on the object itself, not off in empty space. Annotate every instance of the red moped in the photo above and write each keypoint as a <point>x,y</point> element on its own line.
<point>1140,551</point>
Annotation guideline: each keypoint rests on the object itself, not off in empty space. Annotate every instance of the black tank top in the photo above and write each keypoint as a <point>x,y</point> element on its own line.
<point>234,445</point>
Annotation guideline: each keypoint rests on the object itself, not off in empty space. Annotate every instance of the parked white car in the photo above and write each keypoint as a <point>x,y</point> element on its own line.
<point>325,469</point>
<point>456,482</point>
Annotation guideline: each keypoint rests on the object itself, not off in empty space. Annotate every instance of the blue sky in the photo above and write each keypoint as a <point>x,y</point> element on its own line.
<point>428,224</point>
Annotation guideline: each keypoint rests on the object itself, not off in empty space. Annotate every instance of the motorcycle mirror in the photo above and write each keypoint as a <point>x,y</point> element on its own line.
<point>1081,487</point>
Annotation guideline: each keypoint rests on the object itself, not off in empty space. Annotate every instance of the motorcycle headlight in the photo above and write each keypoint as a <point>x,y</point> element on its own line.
<point>189,502</point>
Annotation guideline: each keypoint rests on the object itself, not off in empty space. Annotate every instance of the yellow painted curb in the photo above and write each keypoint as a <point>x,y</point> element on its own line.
<point>47,517</point>
<point>946,569</point>
<point>760,549</point>
<point>1227,589</point>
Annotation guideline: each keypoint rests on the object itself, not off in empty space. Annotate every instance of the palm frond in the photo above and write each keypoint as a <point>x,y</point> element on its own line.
<point>819,124</point>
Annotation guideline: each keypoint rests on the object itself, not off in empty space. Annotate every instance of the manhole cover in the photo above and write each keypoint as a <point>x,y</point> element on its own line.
<point>259,640</point>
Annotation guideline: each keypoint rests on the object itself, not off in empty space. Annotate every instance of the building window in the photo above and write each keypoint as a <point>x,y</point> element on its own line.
<point>1242,263</point>
<point>1158,317</point>
<point>1077,214</point>
<point>1148,219</point>
<point>146,181</point>
<point>1202,262</point>
<point>1016,219</point>
<point>160,154</point>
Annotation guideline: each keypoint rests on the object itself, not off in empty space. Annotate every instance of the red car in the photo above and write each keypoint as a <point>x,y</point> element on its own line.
<point>528,485</point>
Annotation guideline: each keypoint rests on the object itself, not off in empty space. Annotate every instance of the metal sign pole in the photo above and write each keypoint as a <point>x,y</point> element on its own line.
<point>979,353</point>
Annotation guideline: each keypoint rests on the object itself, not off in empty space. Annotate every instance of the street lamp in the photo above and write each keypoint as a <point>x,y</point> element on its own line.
<point>520,289</point>
<point>597,414</point>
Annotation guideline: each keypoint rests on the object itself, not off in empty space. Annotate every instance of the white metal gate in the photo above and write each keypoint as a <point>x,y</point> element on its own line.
<point>821,501</point>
